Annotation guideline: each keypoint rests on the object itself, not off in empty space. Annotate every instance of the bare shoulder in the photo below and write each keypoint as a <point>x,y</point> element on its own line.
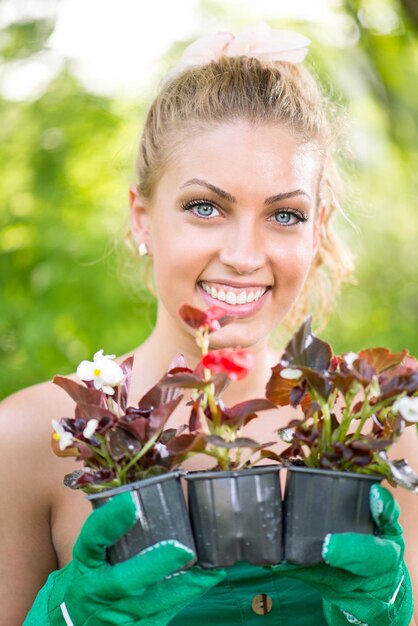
<point>25,424</point>
<point>31,490</point>
<point>25,444</point>
<point>35,405</point>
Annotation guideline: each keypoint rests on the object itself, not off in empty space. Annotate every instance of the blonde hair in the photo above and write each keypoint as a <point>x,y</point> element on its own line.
<point>243,88</point>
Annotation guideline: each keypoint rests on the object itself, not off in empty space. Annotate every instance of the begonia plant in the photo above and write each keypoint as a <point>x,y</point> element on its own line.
<point>353,407</point>
<point>117,444</point>
<point>213,428</point>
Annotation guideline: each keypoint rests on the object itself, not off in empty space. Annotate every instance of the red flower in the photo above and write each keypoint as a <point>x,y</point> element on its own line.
<point>235,362</point>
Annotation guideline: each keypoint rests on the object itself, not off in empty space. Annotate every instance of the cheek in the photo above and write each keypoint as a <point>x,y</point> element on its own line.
<point>293,261</point>
<point>181,255</point>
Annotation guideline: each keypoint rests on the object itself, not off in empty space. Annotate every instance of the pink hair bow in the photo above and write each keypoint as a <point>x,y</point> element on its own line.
<point>257,40</point>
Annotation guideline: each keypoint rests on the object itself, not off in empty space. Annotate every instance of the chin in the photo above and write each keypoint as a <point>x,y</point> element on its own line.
<point>235,338</point>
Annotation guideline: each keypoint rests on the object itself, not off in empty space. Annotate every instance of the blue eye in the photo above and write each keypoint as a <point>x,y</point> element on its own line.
<point>288,218</point>
<point>204,210</point>
<point>201,209</point>
<point>282,218</point>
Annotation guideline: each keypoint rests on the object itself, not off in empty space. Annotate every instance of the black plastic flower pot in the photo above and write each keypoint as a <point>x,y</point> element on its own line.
<point>162,514</point>
<point>236,516</point>
<point>318,502</point>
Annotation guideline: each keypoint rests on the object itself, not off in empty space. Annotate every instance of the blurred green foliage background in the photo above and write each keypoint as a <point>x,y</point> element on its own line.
<point>67,158</point>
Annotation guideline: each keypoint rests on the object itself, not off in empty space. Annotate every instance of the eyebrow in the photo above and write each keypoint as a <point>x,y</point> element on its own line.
<point>227,196</point>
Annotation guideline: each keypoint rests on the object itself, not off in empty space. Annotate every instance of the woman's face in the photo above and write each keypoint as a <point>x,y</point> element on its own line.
<point>233,223</point>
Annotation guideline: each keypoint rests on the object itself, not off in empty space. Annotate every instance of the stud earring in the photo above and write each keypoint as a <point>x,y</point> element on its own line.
<point>143,249</point>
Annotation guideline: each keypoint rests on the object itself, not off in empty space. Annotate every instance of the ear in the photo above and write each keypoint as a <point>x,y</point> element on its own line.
<point>140,219</point>
<point>319,221</point>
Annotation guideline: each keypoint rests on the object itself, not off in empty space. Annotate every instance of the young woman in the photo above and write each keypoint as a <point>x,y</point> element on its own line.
<point>236,191</point>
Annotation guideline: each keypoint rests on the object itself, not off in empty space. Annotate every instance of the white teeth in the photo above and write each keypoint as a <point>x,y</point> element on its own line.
<point>231,297</point>
<point>221,295</point>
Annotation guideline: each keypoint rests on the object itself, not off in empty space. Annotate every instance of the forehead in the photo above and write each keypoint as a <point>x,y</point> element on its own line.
<point>240,156</point>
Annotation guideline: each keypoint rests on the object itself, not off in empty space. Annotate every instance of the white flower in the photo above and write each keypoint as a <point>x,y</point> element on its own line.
<point>407,407</point>
<point>162,449</point>
<point>291,373</point>
<point>349,358</point>
<point>104,372</point>
<point>90,429</point>
<point>64,438</point>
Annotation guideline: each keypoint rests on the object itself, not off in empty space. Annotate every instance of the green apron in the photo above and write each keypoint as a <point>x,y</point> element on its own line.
<point>254,596</point>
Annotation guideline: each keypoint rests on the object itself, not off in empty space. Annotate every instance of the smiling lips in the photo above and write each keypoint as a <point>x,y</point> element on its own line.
<point>233,295</point>
<point>237,300</point>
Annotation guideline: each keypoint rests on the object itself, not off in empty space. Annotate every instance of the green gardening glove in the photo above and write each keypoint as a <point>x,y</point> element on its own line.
<point>364,579</point>
<point>145,590</point>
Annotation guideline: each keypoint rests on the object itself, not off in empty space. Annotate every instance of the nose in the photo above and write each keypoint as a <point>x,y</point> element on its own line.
<point>243,248</point>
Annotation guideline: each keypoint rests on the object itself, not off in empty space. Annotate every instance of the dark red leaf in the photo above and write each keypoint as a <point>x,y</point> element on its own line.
<point>211,319</point>
<point>122,444</point>
<point>361,460</point>
<point>159,416</point>
<point>306,435</point>
<point>186,443</point>
<point>279,389</point>
<point>362,371</point>
<point>195,422</point>
<point>151,399</point>
<point>138,427</point>
<point>343,381</point>
<point>306,350</point>
<point>221,382</point>
<point>84,450</point>
<point>192,316</point>
<point>270,454</point>
<point>295,450</point>
<point>317,381</point>
<point>297,394</point>
<point>241,414</point>
<point>92,411</point>
<point>185,381</point>
<point>80,393</point>
<point>382,359</point>
<point>398,380</point>
<point>242,409</point>
<point>126,367</point>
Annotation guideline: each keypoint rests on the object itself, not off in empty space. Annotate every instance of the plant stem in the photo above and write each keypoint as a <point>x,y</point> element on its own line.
<point>364,415</point>
<point>325,438</point>
<point>247,458</point>
<point>118,402</point>
<point>347,419</point>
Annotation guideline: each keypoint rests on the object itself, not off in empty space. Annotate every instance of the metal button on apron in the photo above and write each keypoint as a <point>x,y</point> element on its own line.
<point>262,604</point>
